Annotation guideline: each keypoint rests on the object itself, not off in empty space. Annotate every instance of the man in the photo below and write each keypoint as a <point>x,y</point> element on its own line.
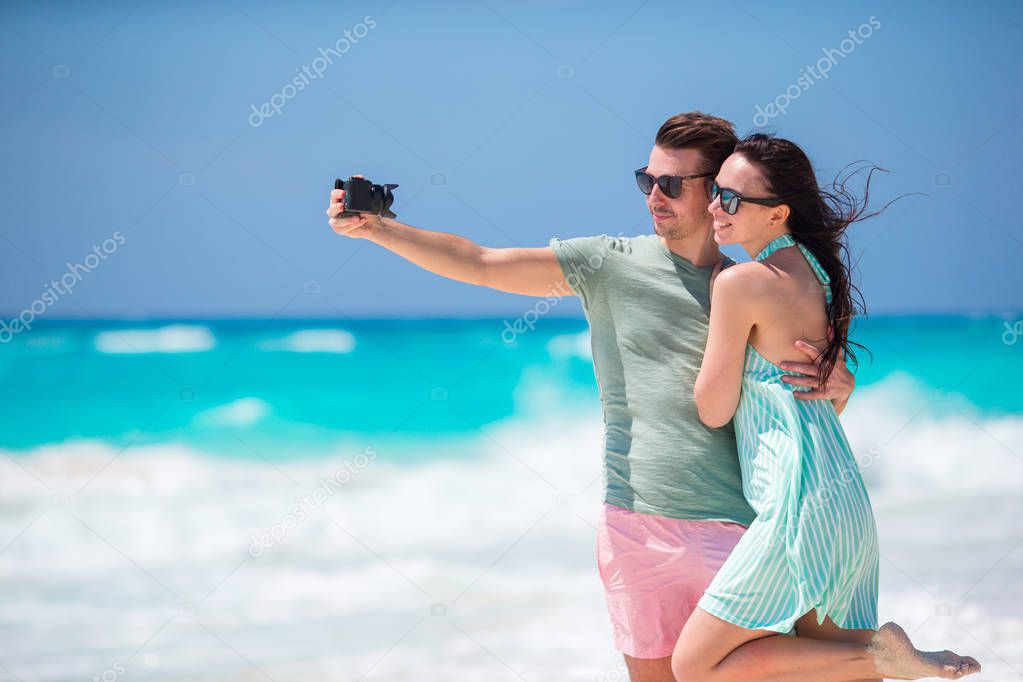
<point>673,503</point>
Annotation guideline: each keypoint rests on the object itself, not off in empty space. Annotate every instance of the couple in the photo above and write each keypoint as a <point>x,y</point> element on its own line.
<point>717,567</point>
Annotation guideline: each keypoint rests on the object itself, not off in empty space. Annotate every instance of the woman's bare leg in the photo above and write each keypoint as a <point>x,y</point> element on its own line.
<point>807,626</point>
<point>712,650</point>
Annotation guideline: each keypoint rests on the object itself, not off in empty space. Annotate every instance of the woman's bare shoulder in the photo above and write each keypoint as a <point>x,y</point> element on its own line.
<point>747,280</point>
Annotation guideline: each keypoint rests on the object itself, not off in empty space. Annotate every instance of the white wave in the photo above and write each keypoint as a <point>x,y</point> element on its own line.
<point>571,345</point>
<point>313,341</point>
<point>176,338</point>
<point>44,342</point>
<point>917,443</point>
<point>405,508</point>
<point>241,412</point>
<point>500,543</point>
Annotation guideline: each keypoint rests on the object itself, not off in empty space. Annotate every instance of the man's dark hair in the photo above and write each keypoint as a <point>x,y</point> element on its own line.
<point>713,137</point>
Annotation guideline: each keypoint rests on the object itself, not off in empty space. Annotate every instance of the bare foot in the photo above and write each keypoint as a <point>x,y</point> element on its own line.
<point>897,658</point>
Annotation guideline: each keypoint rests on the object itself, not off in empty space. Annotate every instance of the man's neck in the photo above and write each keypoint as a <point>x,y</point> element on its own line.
<point>699,248</point>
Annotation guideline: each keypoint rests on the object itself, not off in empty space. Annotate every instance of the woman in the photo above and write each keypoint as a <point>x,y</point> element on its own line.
<point>808,564</point>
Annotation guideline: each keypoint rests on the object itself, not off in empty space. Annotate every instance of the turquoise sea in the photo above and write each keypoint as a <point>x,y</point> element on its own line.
<point>416,499</point>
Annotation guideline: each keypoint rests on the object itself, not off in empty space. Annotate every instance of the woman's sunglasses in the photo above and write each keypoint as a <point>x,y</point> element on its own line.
<point>730,199</point>
<point>671,185</point>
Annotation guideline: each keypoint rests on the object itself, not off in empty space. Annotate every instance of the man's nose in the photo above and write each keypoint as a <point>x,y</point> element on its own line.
<point>656,195</point>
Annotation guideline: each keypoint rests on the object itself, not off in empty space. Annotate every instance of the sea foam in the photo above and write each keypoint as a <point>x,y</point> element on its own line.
<point>170,339</point>
<point>313,341</point>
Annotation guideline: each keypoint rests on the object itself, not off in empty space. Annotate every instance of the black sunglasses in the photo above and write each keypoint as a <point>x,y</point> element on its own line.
<point>730,199</point>
<point>671,185</point>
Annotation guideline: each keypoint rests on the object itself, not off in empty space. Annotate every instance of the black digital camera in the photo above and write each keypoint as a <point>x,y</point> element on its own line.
<point>362,196</point>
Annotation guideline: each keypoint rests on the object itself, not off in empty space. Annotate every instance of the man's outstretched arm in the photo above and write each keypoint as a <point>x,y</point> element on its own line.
<point>526,271</point>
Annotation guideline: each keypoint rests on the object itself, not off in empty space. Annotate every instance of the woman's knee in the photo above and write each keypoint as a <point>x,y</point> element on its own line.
<point>686,666</point>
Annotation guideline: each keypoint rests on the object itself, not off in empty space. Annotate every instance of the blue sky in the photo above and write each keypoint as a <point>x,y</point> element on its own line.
<point>506,122</point>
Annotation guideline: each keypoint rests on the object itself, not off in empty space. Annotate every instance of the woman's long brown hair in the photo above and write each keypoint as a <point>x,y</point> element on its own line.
<point>818,219</point>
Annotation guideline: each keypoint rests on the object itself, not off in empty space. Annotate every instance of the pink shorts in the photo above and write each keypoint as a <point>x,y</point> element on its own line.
<point>655,570</point>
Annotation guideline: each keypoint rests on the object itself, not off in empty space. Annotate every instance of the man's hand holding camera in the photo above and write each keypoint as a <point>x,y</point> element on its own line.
<point>358,206</point>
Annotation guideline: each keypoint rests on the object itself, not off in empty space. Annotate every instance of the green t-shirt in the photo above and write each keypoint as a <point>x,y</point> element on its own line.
<point>648,310</point>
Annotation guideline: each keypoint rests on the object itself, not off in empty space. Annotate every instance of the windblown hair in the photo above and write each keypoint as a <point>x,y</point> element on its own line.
<point>818,219</point>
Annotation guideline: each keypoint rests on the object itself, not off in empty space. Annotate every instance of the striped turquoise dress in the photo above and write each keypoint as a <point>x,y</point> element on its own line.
<point>813,544</point>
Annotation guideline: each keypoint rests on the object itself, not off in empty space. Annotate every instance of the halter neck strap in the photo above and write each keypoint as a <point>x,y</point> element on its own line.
<point>785,240</point>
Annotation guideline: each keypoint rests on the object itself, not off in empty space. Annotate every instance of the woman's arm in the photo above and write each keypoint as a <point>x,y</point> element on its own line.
<point>731,318</point>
